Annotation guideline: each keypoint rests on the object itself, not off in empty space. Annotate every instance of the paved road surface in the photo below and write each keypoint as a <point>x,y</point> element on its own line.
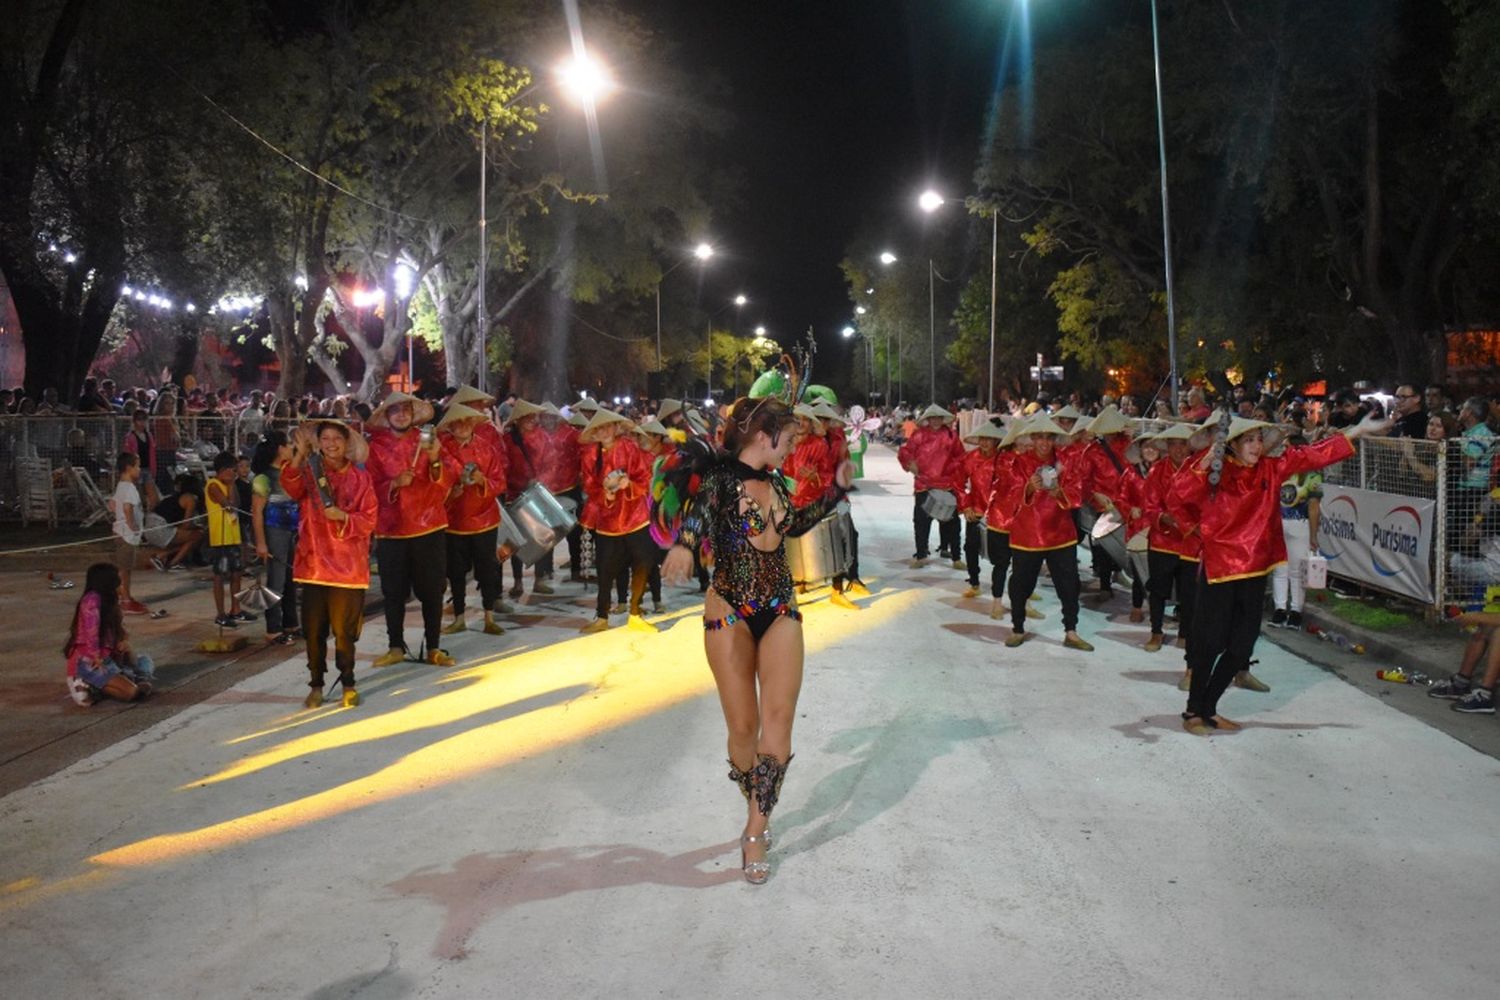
<point>551,819</point>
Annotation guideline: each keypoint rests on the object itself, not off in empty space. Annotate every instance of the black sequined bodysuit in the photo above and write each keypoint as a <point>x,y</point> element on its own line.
<point>754,582</point>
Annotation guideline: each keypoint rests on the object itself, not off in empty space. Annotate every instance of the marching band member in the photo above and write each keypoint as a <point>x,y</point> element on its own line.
<point>933,455</point>
<point>337,511</point>
<point>655,440</point>
<point>1174,544</point>
<point>1242,544</point>
<point>521,465</point>
<point>1000,515</point>
<point>473,511</point>
<point>1046,488</point>
<point>618,482</point>
<point>411,477</point>
<point>1105,475</point>
<point>556,441</point>
<point>976,487</point>
<point>835,431</point>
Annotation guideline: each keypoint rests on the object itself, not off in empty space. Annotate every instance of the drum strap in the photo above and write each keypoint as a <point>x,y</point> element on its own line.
<point>515,433</point>
<point>1113,458</point>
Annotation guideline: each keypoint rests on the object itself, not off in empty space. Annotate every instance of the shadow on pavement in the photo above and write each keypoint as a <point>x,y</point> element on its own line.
<point>1172,724</point>
<point>889,760</point>
<point>479,886</point>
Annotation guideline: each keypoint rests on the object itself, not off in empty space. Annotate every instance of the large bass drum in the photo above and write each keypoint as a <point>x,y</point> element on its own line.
<point>534,523</point>
<point>824,551</point>
<point>1106,532</point>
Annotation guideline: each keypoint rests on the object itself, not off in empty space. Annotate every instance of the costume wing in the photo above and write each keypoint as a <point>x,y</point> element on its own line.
<point>675,484</point>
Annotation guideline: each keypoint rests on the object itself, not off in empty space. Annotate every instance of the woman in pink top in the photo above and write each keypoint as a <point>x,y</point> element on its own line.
<point>101,663</point>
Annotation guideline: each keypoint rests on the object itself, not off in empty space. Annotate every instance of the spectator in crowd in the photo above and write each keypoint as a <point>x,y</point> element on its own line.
<point>128,524</point>
<point>180,510</point>
<point>1197,409</point>
<point>1479,443</point>
<point>1435,399</point>
<point>252,421</point>
<point>224,540</point>
<point>1347,410</point>
<point>1483,647</point>
<point>101,663</point>
<point>274,517</point>
<point>1411,418</point>
<point>90,400</point>
<point>138,442</point>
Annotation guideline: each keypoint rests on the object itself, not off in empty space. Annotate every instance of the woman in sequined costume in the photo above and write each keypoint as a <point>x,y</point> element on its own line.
<point>742,512</point>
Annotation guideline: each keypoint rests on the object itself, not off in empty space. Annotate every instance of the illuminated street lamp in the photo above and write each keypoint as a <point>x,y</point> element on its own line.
<point>585,79</point>
<point>887,258</point>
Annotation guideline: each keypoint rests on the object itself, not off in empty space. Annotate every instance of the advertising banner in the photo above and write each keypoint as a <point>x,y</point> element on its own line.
<point>1382,539</point>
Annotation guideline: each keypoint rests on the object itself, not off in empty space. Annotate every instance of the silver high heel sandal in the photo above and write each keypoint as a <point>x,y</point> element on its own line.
<point>756,872</point>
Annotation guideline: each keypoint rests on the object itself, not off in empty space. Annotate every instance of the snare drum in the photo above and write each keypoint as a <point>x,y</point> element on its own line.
<point>823,552</point>
<point>1108,533</point>
<point>538,520</point>
<point>940,505</point>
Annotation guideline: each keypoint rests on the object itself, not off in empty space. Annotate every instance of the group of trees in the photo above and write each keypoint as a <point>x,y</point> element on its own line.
<point>320,162</point>
<point>1334,185</point>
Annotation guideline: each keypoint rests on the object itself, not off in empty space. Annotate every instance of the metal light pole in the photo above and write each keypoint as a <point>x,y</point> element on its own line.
<point>931,330</point>
<point>701,253</point>
<point>994,274</point>
<point>1166,217</point>
<point>482,376</point>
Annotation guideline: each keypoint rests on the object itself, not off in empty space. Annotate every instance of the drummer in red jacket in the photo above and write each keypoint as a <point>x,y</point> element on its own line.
<point>1172,515</point>
<point>1106,475</point>
<point>1046,488</point>
<point>835,431</point>
<point>473,512</point>
<point>336,517</point>
<point>1242,543</point>
<point>977,485</point>
<point>411,477</point>
<point>934,456</point>
<point>541,448</point>
<point>1000,515</point>
<point>618,482</point>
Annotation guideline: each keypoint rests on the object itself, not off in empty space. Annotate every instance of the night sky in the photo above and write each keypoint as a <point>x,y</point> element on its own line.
<point>844,111</point>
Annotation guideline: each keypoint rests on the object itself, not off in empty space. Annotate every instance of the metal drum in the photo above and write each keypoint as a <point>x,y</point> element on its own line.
<point>1138,546</point>
<point>538,520</point>
<point>1108,533</point>
<point>823,552</point>
<point>940,505</point>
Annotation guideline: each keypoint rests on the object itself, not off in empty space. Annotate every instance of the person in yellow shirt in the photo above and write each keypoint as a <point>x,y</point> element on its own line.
<point>224,539</point>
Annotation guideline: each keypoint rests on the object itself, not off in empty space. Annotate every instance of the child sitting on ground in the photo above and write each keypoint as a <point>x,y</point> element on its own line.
<point>101,663</point>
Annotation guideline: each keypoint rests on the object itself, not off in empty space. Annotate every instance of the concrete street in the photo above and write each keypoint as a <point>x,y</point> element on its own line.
<point>551,819</point>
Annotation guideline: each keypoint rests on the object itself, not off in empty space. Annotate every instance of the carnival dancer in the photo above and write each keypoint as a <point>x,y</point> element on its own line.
<point>411,476</point>
<point>1046,488</point>
<point>933,455</point>
<point>742,512</point>
<point>473,511</point>
<point>1242,544</point>
<point>974,491</point>
<point>618,482</point>
<point>336,514</point>
<point>1105,476</point>
<point>836,433</point>
<point>1174,544</point>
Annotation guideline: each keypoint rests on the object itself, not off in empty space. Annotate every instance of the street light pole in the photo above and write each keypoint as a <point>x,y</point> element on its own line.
<point>482,376</point>
<point>1166,217</point>
<point>931,330</point>
<point>994,275</point>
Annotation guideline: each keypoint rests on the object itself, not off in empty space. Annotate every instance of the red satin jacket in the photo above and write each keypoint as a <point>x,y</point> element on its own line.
<point>419,507</point>
<point>1042,521</point>
<point>1170,490</point>
<point>630,508</point>
<point>1000,506</point>
<point>977,481</point>
<point>937,454</point>
<point>474,508</point>
<point>332,553</point>
<point>811,464</point>
<point>1242,520</point>
<point>555,455</point>
<point>1102,475</point>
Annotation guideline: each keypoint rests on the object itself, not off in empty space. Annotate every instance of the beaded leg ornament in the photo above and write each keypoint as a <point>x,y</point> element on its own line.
<point>741,778</point>
<point>765,781</point>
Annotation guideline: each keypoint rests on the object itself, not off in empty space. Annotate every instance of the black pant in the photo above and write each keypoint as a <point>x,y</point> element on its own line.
<point>922,527</point>
<point>341,611</point>
<point>281,616</point>
<point>475,552</point>
<point>413,565</point>
<point>1169,571</point>
<point>614,553</point>
<point>575,539</point>
<point>999,548</point>
<point>853,572</point>
<point>1228,623</point>
<point>973,533</point>
<point>1062,564</point>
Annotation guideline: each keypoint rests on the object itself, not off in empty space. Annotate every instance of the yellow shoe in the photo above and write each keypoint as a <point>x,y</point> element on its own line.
<point>857,588</point>
<point>1186,684</point>
<point>1245,679</point>
<point>440,658</point>
<point>390,657</point>
<point>1153,644</point>
<point>1034,614</point>
<point>314,698</point>
<point>1197,725</point>
<point>998,611</point>
<point>351,698</point>
<point>1079,643</point>
<point>1016,638</point>
<point>456,627</point>
<point>1224,725</point>
<point>971,592</point>
<point>597,625</point>
<point>492,627</point>
<point>639,624</point>
<point>839,599</point>
<point>543,587</point>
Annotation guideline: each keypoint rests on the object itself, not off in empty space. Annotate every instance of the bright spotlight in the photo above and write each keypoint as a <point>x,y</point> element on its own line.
<point>585,78</point>
<point>848,332</point>
<point>703,251</point>
<point>740,300</point>
<point>760,331</point>
<point>887,258</point>
<point>930,201</point>
<point>403,278</point>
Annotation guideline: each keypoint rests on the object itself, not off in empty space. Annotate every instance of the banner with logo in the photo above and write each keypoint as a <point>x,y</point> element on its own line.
<point>1381,539</point>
